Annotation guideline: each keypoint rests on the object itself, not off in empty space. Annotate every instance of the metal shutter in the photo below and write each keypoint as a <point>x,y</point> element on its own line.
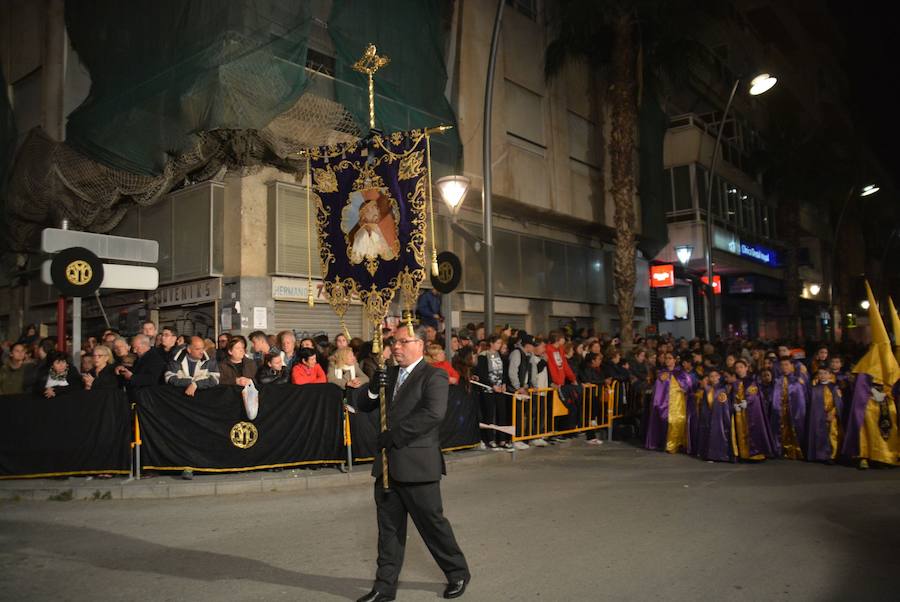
<point>300,317</point>
<point>514,320</point>
<point>287,232</point>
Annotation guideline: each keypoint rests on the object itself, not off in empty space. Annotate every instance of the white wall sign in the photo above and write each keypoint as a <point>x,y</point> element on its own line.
<point>260,319</point>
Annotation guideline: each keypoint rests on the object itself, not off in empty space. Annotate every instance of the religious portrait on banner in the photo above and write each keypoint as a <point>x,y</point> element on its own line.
<point>370,220</point>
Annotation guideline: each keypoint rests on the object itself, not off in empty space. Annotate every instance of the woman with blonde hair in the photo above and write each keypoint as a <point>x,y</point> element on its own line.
<point>344,370</point>
<point>103,375</point>
<point>437,358</point>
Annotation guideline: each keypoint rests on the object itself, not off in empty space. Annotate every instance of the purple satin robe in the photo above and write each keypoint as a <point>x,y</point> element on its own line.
<point>716,425</point>
<point>862,393</point>
<point>818,442</point>
<point>796,409</point>
<point>658,420</point>
<point>759,436</point>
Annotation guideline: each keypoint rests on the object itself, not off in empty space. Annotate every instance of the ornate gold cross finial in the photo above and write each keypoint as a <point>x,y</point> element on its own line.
<point>369,63</point>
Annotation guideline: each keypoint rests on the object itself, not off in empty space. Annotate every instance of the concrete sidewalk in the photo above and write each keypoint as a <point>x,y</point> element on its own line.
<point>170,484</point>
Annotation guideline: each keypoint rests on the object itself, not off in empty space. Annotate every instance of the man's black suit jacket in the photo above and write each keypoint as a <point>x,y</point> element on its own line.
<point>414,418</point>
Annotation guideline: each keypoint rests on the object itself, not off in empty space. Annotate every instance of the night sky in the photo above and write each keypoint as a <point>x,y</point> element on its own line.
<point>872,35</point>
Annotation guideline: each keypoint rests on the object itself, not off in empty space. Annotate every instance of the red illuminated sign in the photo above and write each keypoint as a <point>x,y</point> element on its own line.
<point>662,275</point>
<point>717,284</point>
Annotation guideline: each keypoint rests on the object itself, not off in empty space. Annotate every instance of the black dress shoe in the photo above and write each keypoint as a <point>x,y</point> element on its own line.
<point>456,588</point>
<point>377,596</point>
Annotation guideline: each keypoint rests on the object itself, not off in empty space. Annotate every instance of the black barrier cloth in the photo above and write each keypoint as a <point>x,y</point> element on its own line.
<point>80,432</point>
<point>295,425</point>
<point>459,429</point>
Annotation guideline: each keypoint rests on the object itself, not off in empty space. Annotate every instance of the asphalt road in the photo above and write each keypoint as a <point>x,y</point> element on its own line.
<point>614,523</point>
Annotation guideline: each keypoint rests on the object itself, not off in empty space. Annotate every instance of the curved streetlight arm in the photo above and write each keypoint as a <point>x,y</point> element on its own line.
<point>710,297</point>
<point>486,166</point>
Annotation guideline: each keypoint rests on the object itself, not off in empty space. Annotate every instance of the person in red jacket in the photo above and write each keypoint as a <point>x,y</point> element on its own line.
<point>563,378</point>
<point>560,371</point>
<point>307,370</point>
<point>438,359</point>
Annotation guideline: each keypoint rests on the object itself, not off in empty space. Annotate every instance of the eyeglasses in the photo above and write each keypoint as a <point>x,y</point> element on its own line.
<point>403,341</point>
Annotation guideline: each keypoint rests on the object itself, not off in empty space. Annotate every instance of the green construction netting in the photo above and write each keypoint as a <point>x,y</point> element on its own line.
<point>653,124</point>
<point>165,70</point>
<point>410,90</point>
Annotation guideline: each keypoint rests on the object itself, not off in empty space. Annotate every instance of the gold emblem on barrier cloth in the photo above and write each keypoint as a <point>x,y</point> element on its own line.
<point>79,272</point>
<point>244,435</point>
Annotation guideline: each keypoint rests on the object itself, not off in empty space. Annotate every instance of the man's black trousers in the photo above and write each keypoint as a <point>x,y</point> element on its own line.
<point>422,503</point>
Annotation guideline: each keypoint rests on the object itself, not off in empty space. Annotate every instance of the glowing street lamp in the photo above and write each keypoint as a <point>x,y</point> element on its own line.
<point>762,83</point>
<point>864,304</point>
<point>684,253</point>
<point>814,289</point>
<point>870,189</point>
<point>453,191</point>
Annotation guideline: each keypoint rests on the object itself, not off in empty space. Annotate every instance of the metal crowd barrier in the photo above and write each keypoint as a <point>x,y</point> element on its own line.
<point>533,415</point>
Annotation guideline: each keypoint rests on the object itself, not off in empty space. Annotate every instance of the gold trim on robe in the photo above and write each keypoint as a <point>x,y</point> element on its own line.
<point>790,448</point>
<point>743,430</point>
<point>871,444</point>
<point>833,429</point>
<point>676,434</point>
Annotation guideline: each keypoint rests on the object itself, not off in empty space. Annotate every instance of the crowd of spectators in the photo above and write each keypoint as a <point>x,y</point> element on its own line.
<point>493,365</point>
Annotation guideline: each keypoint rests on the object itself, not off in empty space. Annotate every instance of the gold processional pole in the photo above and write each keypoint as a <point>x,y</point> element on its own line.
<point>368,64</point>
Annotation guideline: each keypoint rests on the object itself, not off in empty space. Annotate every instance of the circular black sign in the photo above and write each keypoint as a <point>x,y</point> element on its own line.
<point>449,272</point>
<point>76,272</point>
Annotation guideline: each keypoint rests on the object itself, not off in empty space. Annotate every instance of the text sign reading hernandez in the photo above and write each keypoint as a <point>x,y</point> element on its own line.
<point>759,253</point>
<point>662,275</point>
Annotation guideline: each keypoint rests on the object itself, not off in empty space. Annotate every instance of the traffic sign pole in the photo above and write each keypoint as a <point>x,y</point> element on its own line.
<point>76,333</point>
<point>61,324</point>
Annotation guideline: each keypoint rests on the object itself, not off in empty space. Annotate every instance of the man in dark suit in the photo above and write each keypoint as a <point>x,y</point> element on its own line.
<point>416,404</point>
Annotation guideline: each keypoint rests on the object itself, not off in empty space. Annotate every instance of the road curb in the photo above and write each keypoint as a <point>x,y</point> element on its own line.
<point>165,486</point>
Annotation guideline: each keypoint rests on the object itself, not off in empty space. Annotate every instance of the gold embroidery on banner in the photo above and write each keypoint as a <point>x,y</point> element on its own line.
<point>411,166</point>
<point>326,180</point>
<point>244,435</point>
<point>340,292</point>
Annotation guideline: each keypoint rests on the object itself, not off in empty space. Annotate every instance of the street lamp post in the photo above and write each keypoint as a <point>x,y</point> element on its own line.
<point>758,85</point>
<point>486,166</point>
<point>453,191</point>
<point>836,314</point>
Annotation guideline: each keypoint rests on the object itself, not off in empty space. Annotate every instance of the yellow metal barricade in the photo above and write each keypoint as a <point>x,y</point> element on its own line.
<point>532,414</point>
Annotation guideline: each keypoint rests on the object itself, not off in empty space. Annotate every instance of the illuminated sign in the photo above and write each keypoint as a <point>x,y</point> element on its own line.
<point>662,275</point>
<point>759,253</point>
<point>717,284</point>
<point>726,241</point>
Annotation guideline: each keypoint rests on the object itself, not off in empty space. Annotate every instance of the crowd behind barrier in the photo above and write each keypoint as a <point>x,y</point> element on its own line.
<point>190,396</point>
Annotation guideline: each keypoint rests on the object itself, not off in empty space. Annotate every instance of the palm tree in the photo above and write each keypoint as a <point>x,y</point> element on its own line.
<point>624,41</point>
